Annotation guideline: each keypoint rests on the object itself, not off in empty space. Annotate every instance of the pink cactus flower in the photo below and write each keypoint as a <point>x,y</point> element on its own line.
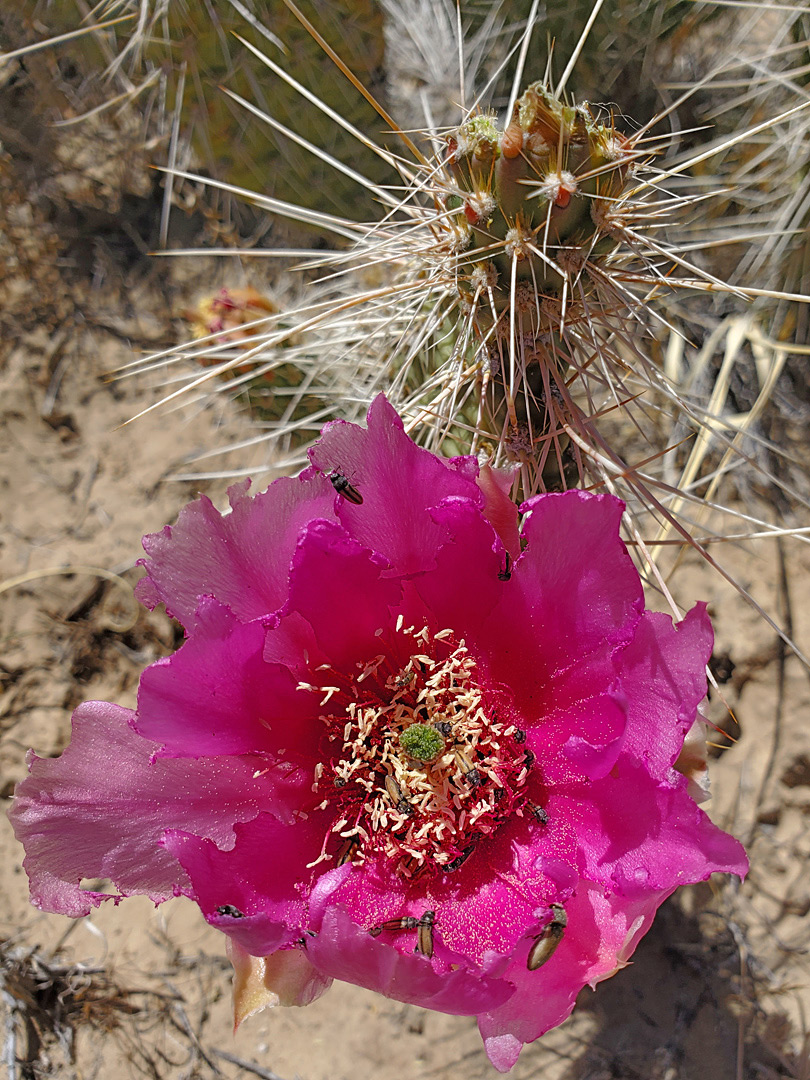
<point>405,744</point>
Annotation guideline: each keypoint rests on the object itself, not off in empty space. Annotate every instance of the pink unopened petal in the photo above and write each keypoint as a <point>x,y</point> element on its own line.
<point>283,978</point>
<point>499,509</point>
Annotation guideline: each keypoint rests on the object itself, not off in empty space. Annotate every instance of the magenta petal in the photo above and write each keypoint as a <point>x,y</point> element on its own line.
<point>262,876</point>
<point>100,810</point>
<point>399,482</point>
<point>218,695</point>
<point>588,734</point>
<point>580,584</point>
<point>344,950</point>
<point>673,843</point>
<point>484,909</point>
<point>242,558</point>
<point>337,586</point>
<point>601,935</point>
<point>663,676</point>
<point>576,596</point>
<point>463,588</point>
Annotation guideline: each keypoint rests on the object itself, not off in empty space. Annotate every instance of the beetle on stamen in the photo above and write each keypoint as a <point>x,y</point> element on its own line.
<point>469,771</point>
<point>396,795</point>
<point>348,851</point>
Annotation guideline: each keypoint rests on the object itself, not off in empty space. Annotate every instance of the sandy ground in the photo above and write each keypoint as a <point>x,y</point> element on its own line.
<point>718,989</point>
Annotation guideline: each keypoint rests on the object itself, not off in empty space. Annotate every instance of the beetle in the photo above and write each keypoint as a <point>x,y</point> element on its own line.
<point>545,944</point>
<point>424,926</point>
<point>342,486</point>
<point>459,860</point>
<point>471,774</point>
<point>538,813</point>
<point>424,940</point>
<point>405,922</point>
<point>348,851</point>
<point>395,794</point>
<point>231,911</point>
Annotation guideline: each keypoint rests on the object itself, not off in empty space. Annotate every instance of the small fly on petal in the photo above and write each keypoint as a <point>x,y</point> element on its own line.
<point>546,943</point>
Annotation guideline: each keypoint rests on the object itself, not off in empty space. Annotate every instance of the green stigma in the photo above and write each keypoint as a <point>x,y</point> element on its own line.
<point>421,742</point>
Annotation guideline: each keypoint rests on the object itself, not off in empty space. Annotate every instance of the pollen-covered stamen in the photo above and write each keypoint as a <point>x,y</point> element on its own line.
<point>421,766</point>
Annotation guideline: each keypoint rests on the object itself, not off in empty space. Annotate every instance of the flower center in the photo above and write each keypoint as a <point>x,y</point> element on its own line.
<point>422,763</point>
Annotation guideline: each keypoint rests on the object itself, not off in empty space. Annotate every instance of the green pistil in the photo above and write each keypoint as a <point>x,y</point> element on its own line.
<point>421,742</point>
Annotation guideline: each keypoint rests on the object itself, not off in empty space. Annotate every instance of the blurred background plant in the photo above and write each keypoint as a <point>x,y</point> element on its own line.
<point>161,64</point>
